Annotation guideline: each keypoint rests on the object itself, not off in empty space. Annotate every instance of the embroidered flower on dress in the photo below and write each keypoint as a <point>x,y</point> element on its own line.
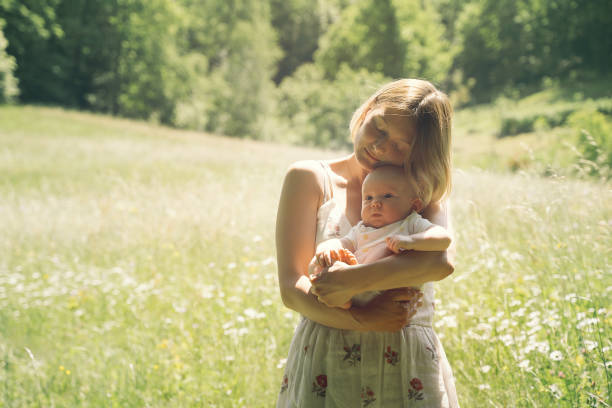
<point>367,396</point>
<point>391,356</point>
<point>285,384</point>
<point>319,386</point>
<point>415,392</point>
<point>353,354</point>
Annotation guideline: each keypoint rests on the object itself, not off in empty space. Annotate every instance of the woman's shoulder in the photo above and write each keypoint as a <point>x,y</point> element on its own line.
<point>307,175</point>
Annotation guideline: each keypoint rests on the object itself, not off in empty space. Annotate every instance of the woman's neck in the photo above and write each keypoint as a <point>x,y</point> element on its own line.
<point>355,173</point>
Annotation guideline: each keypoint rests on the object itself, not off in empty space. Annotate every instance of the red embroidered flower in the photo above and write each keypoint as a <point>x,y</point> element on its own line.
<point>319,386</point>
<point>416,384</point>
<point>322,381</point>
<point>285,384</point>
<point>367,396</point>
<point>391,356</point>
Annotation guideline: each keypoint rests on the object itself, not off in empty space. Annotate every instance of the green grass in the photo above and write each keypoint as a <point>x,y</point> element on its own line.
<point>548,144</point>
<point>137,269</point>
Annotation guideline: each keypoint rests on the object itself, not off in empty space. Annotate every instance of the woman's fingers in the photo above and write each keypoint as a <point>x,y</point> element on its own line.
<point>408,294</point>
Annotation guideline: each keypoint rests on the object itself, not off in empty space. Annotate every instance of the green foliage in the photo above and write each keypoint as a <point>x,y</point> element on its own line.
<point>367,36</point>
<point>594,141</point>
<point>508,45</point>
<point>518,121</point>
<point>317,111</point>
<point>299,24</point>
<point>218,65</point>
<point>8,83</point>
<point>33,33</point>
<point>239,46</point>
<point>428,54</point>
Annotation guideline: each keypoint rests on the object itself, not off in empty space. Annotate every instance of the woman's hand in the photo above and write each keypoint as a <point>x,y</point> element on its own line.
<point>389,311</point>
<point>332,285</point>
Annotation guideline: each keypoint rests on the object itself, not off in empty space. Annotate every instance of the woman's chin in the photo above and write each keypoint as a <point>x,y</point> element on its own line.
<point>365,161</point>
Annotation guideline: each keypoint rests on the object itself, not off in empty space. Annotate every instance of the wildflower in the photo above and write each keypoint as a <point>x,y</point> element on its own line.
<point>590,345</point>
<point>555,391</point>
<point>486,368</point>
<point>556,355</point>
<point>587,322</point>
<point>281,363</point>
<point>254,314</point>
<point>484,387</point>
<point>67,372</point>
<point>542,347</point>
<point>524,364</point>
<point>572,297</point>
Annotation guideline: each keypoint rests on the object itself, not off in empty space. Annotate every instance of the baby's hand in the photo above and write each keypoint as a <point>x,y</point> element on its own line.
<point>398,243</point>
<point>328,257</point>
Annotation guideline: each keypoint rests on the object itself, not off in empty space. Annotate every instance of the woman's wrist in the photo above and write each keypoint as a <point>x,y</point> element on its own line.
<point>358,315</point>
<point>358,278</point>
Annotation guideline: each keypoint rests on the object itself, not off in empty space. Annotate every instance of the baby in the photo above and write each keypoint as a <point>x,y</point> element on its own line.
<point>390,223</point>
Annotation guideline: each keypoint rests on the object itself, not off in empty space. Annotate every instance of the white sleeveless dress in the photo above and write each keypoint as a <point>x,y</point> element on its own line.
<point>335,368</point>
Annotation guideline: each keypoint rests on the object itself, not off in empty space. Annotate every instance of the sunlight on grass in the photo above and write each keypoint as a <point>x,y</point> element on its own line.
<point>137,268</point>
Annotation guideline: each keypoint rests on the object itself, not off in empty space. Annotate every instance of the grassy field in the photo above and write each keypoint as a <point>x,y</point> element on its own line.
<point>137,269</point>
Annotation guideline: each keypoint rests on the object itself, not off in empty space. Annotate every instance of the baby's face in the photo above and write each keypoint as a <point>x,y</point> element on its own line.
<point>386,197</point>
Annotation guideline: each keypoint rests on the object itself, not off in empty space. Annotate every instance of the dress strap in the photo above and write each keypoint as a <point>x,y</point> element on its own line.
<point>328,189</point>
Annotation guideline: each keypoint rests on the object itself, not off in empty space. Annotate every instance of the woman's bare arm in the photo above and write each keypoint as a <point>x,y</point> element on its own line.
<point>296,226</point>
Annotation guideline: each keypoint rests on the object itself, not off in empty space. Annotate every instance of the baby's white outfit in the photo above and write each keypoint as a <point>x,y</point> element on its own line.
<point>333,368</point>
<point>370,246</point>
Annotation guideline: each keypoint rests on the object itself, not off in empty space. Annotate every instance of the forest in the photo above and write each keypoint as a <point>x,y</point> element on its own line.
<point>291,70</point>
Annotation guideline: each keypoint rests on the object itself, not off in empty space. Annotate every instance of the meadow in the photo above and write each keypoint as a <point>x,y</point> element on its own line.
<point>137,269</point>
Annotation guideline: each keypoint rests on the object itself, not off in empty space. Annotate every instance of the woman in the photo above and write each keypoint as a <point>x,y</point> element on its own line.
<point>366,355</point>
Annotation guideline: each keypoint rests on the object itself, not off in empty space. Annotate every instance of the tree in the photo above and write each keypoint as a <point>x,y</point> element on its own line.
<point>367,36</point>
<point>8,82</point>
<point>232,45</point>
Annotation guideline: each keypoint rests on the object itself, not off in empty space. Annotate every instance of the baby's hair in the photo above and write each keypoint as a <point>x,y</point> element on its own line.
<point>429,161</point>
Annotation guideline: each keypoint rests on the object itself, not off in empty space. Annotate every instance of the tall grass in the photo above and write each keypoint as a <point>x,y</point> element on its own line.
<point>137,269</point>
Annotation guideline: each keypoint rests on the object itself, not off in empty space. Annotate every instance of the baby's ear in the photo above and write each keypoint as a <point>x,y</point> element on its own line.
<point>417,205</point>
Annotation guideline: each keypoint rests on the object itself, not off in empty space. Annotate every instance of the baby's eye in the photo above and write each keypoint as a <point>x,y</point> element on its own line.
<point>388,195</point>
<point>368,198</point>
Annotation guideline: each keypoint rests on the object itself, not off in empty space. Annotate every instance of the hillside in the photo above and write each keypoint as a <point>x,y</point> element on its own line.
<point>137,269</point>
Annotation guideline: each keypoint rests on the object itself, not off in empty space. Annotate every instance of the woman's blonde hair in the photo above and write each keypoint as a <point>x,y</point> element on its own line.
<point>429,161</point>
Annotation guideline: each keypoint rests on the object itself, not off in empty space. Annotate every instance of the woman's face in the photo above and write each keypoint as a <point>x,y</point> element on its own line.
<point>384,137</point>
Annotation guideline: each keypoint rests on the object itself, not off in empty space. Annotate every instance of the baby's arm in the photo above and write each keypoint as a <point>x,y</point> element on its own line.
<point>435,238</point>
